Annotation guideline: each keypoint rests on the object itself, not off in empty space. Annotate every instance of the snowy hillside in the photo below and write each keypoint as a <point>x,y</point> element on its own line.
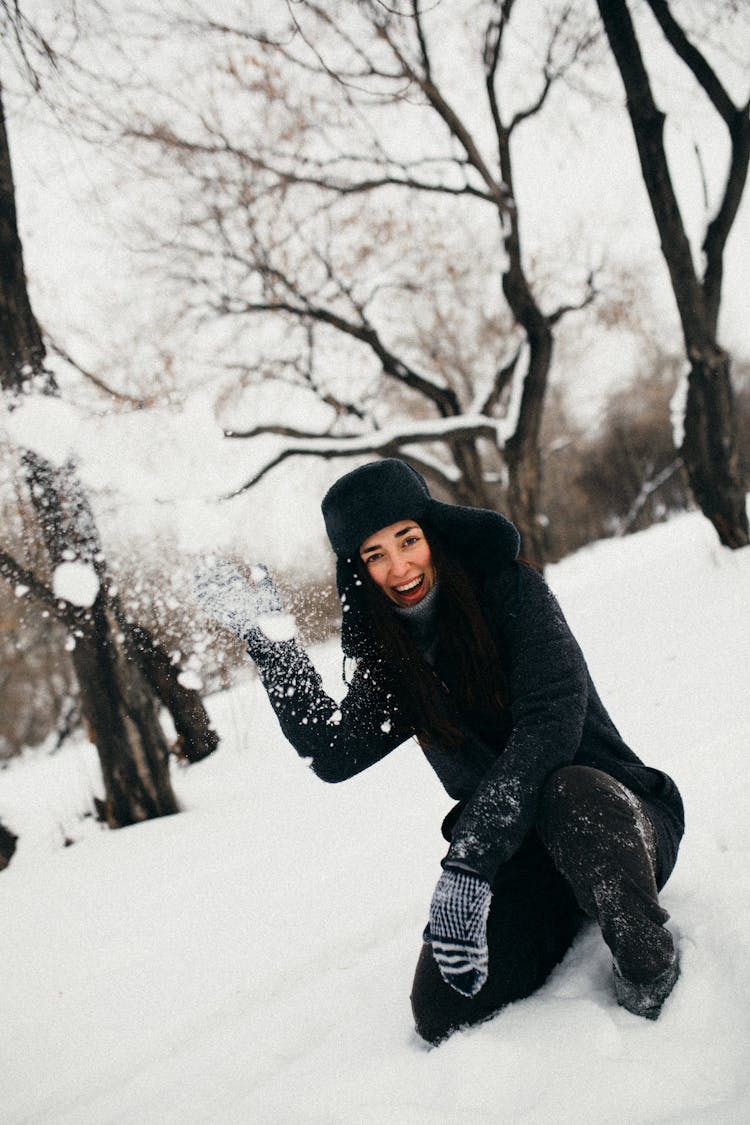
<point>250,960</point>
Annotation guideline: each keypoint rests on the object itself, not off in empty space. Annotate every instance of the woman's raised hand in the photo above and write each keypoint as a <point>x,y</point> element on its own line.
<point>242,606</point>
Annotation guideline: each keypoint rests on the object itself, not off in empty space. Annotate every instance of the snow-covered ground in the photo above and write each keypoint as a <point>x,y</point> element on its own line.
<point>250,960</point>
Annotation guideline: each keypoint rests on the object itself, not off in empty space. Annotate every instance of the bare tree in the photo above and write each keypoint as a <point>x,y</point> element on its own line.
<point>316,215</point>
<point>118,699</point>
<point>709,446</point>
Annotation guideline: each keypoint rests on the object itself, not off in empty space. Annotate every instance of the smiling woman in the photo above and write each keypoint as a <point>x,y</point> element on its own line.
<point>460,643</point>
<point>399,561</point>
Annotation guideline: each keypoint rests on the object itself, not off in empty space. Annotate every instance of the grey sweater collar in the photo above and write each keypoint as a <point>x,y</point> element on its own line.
<point>421,621</point>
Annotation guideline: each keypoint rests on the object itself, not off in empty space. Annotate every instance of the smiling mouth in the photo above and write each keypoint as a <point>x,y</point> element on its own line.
<point>409,588</point>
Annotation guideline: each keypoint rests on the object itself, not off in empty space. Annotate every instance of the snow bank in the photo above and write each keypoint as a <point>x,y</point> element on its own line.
<point>250,960</point>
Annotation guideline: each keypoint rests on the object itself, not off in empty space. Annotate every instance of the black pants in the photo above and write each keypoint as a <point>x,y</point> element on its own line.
<point>594,854</point>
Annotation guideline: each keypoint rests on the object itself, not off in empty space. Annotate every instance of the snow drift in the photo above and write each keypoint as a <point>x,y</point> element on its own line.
<point>250,959</point>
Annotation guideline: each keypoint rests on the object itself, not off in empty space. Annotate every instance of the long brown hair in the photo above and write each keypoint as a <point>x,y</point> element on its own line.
<point>473,670</point>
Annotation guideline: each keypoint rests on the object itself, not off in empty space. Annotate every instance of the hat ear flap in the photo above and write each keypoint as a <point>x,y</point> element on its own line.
<point>480,539</point>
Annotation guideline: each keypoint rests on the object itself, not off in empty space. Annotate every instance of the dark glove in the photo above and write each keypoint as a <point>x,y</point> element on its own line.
<point>457,929</point>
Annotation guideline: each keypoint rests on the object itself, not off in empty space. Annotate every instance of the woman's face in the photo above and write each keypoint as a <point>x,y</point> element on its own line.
<point>398,559</point>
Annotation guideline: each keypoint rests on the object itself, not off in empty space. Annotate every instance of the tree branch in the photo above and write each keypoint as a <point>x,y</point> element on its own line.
<point>455,125</point>
<point>647,490</point>
<point>502,380</point>
<point>531,110</point>
<point>737,121</point>
<point>719,228</point>
<point>563,310</point>
<point>648,128</point>
<point>552,72</point>
<point>385,442</point>
<point>287,177</point>
<point>491,53</point>
<point>118,396</point>
<point>443,398</point>
<point>701,70</point>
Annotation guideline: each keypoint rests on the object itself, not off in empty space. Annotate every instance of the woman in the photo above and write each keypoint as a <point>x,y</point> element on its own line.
<point>459,642</point>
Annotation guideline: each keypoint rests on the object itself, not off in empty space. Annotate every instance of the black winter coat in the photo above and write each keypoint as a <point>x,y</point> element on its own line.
<point>496,775</point>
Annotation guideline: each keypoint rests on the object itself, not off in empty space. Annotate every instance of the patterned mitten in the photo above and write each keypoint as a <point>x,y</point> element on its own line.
<point>226,596</point>
<point>457,929</point>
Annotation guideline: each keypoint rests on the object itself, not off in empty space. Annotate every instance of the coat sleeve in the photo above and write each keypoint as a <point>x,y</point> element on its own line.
<point>549,691</point>
<point>339,739</point>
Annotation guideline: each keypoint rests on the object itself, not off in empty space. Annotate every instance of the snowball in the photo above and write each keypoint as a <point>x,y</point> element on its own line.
<point>76,582</point>
<point>20,590</point>
<point>277,626</point>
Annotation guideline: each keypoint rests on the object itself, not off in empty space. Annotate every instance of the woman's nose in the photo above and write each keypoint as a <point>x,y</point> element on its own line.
<point>399,566</point>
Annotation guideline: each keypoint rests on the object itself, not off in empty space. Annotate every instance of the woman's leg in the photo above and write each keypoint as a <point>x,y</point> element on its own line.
<point>532,922</point>
<point>601,839</point>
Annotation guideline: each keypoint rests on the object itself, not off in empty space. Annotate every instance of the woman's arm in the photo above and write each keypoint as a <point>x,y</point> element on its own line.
<point>549,693</point>
<point>339,739</point>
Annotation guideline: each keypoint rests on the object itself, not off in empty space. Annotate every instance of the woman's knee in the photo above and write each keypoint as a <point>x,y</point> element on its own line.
<point>532,924</point>
<point>583,798</point>
<point>429,1024</point>
<point>598,834</point>
<point>435,1006</point>
<point>573,784</point>
<point>439,1010</point>
<point>565,792</point>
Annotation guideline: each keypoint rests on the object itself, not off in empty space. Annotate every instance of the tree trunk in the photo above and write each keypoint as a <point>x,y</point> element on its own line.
<point>7,846</point>
<point>21,347</point>
<point>118,705</point>
<point>709,448</point>
<point>471,486</point>
<point>122,718</point>
<point>522,451</point>
<point>197,738</point>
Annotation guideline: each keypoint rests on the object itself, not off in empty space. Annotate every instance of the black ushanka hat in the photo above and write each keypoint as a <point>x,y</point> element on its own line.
<point>384,492</point>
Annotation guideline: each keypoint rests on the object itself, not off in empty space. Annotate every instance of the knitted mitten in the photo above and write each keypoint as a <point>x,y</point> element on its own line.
<point>226,596</point>
<point>457,929</point>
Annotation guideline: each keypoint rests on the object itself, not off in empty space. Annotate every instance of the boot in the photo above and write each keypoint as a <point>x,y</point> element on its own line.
<point>646,998</point>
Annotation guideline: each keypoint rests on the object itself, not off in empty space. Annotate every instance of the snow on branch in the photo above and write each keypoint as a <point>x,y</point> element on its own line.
<point>387,442</point>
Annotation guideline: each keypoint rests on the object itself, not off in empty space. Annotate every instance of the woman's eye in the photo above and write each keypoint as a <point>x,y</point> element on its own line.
<point>411,540</point>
